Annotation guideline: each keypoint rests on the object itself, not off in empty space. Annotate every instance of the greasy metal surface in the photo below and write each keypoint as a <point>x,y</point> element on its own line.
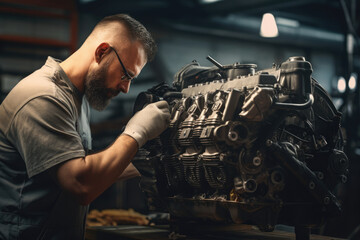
<point>232,232</point>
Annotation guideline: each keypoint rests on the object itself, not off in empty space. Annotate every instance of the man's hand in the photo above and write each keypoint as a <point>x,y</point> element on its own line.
<point>149,122</point>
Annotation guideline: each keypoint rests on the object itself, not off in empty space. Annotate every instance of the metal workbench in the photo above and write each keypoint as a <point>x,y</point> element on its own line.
<point>233,232</point>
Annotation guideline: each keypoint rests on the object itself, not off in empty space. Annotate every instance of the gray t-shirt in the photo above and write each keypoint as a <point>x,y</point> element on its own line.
<point>44,121</point>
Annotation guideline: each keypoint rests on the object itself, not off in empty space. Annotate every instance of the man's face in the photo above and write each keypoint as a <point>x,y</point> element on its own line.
<point>104,82</point>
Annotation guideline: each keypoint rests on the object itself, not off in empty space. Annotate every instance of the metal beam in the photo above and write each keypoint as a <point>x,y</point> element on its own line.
<point>232,6</point>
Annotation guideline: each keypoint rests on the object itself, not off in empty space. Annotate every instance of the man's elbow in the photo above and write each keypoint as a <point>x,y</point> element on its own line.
<point>82,195</point>
<point>80,191</point>
<point>84,200</point>
<point>71,177</point>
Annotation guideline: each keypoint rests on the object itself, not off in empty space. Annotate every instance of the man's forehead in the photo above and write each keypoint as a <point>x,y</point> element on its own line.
<point>133,47</point>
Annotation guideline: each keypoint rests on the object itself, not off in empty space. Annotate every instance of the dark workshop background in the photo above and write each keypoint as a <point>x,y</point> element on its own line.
<point>325,32</point>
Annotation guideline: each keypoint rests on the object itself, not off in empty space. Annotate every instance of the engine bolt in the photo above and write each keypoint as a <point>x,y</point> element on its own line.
<point>311,185</point>
<point>250,185</point>
<point>256,161</point>
<point>233,136</point>
<point>342,161</point>
<point>343,179</point>
<point>269,142</point>
<point>320,175</point>
<point>326,200</point>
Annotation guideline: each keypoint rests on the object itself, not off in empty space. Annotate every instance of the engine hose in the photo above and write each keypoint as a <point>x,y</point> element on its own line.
<point>296,106</point>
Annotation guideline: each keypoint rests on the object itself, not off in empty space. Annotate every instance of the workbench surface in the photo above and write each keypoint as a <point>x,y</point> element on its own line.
<point>237,232</point>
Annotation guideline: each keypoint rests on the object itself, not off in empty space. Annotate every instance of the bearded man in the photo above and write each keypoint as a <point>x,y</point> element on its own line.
<point>47,177</point>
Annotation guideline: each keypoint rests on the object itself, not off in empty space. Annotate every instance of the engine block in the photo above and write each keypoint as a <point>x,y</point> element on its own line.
<point>245,146</point>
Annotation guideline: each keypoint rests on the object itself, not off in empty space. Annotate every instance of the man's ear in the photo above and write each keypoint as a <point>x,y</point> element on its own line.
<point>101,51</point>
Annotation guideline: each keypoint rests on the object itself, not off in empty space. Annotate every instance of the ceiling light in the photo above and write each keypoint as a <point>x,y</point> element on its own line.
<point>341,85</point>
<point>352,81</point>
<point>209,1</point>
<point>268,27</point>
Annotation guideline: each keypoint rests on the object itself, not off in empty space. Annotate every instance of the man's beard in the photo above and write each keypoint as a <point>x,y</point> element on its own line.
<point>95,90</point>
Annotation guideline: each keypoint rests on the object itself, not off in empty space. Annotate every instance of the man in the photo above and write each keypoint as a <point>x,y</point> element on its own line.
<point>46,178</point>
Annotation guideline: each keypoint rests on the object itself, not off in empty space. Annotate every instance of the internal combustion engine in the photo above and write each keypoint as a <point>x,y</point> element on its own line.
<point>245,146</point>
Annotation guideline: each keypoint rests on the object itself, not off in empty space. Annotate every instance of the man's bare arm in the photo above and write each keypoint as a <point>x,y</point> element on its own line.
<point>88,177</point>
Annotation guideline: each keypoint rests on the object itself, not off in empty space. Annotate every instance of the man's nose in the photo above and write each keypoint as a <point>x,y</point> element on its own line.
<point>125,86</point>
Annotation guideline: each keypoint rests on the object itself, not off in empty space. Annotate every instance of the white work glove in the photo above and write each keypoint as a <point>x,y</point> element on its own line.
<point>148,123</point>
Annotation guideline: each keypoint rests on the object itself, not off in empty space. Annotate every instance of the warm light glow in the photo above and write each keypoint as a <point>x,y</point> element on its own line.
<point>209,1</point>
<point>352,81</point>
<point>268,26</point>
<point>341,85</point>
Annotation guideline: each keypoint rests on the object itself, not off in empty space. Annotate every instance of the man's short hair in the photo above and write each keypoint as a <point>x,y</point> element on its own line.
<point>137,31</point>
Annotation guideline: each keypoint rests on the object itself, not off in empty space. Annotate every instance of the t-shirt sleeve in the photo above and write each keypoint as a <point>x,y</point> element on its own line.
<point>44,133</point>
